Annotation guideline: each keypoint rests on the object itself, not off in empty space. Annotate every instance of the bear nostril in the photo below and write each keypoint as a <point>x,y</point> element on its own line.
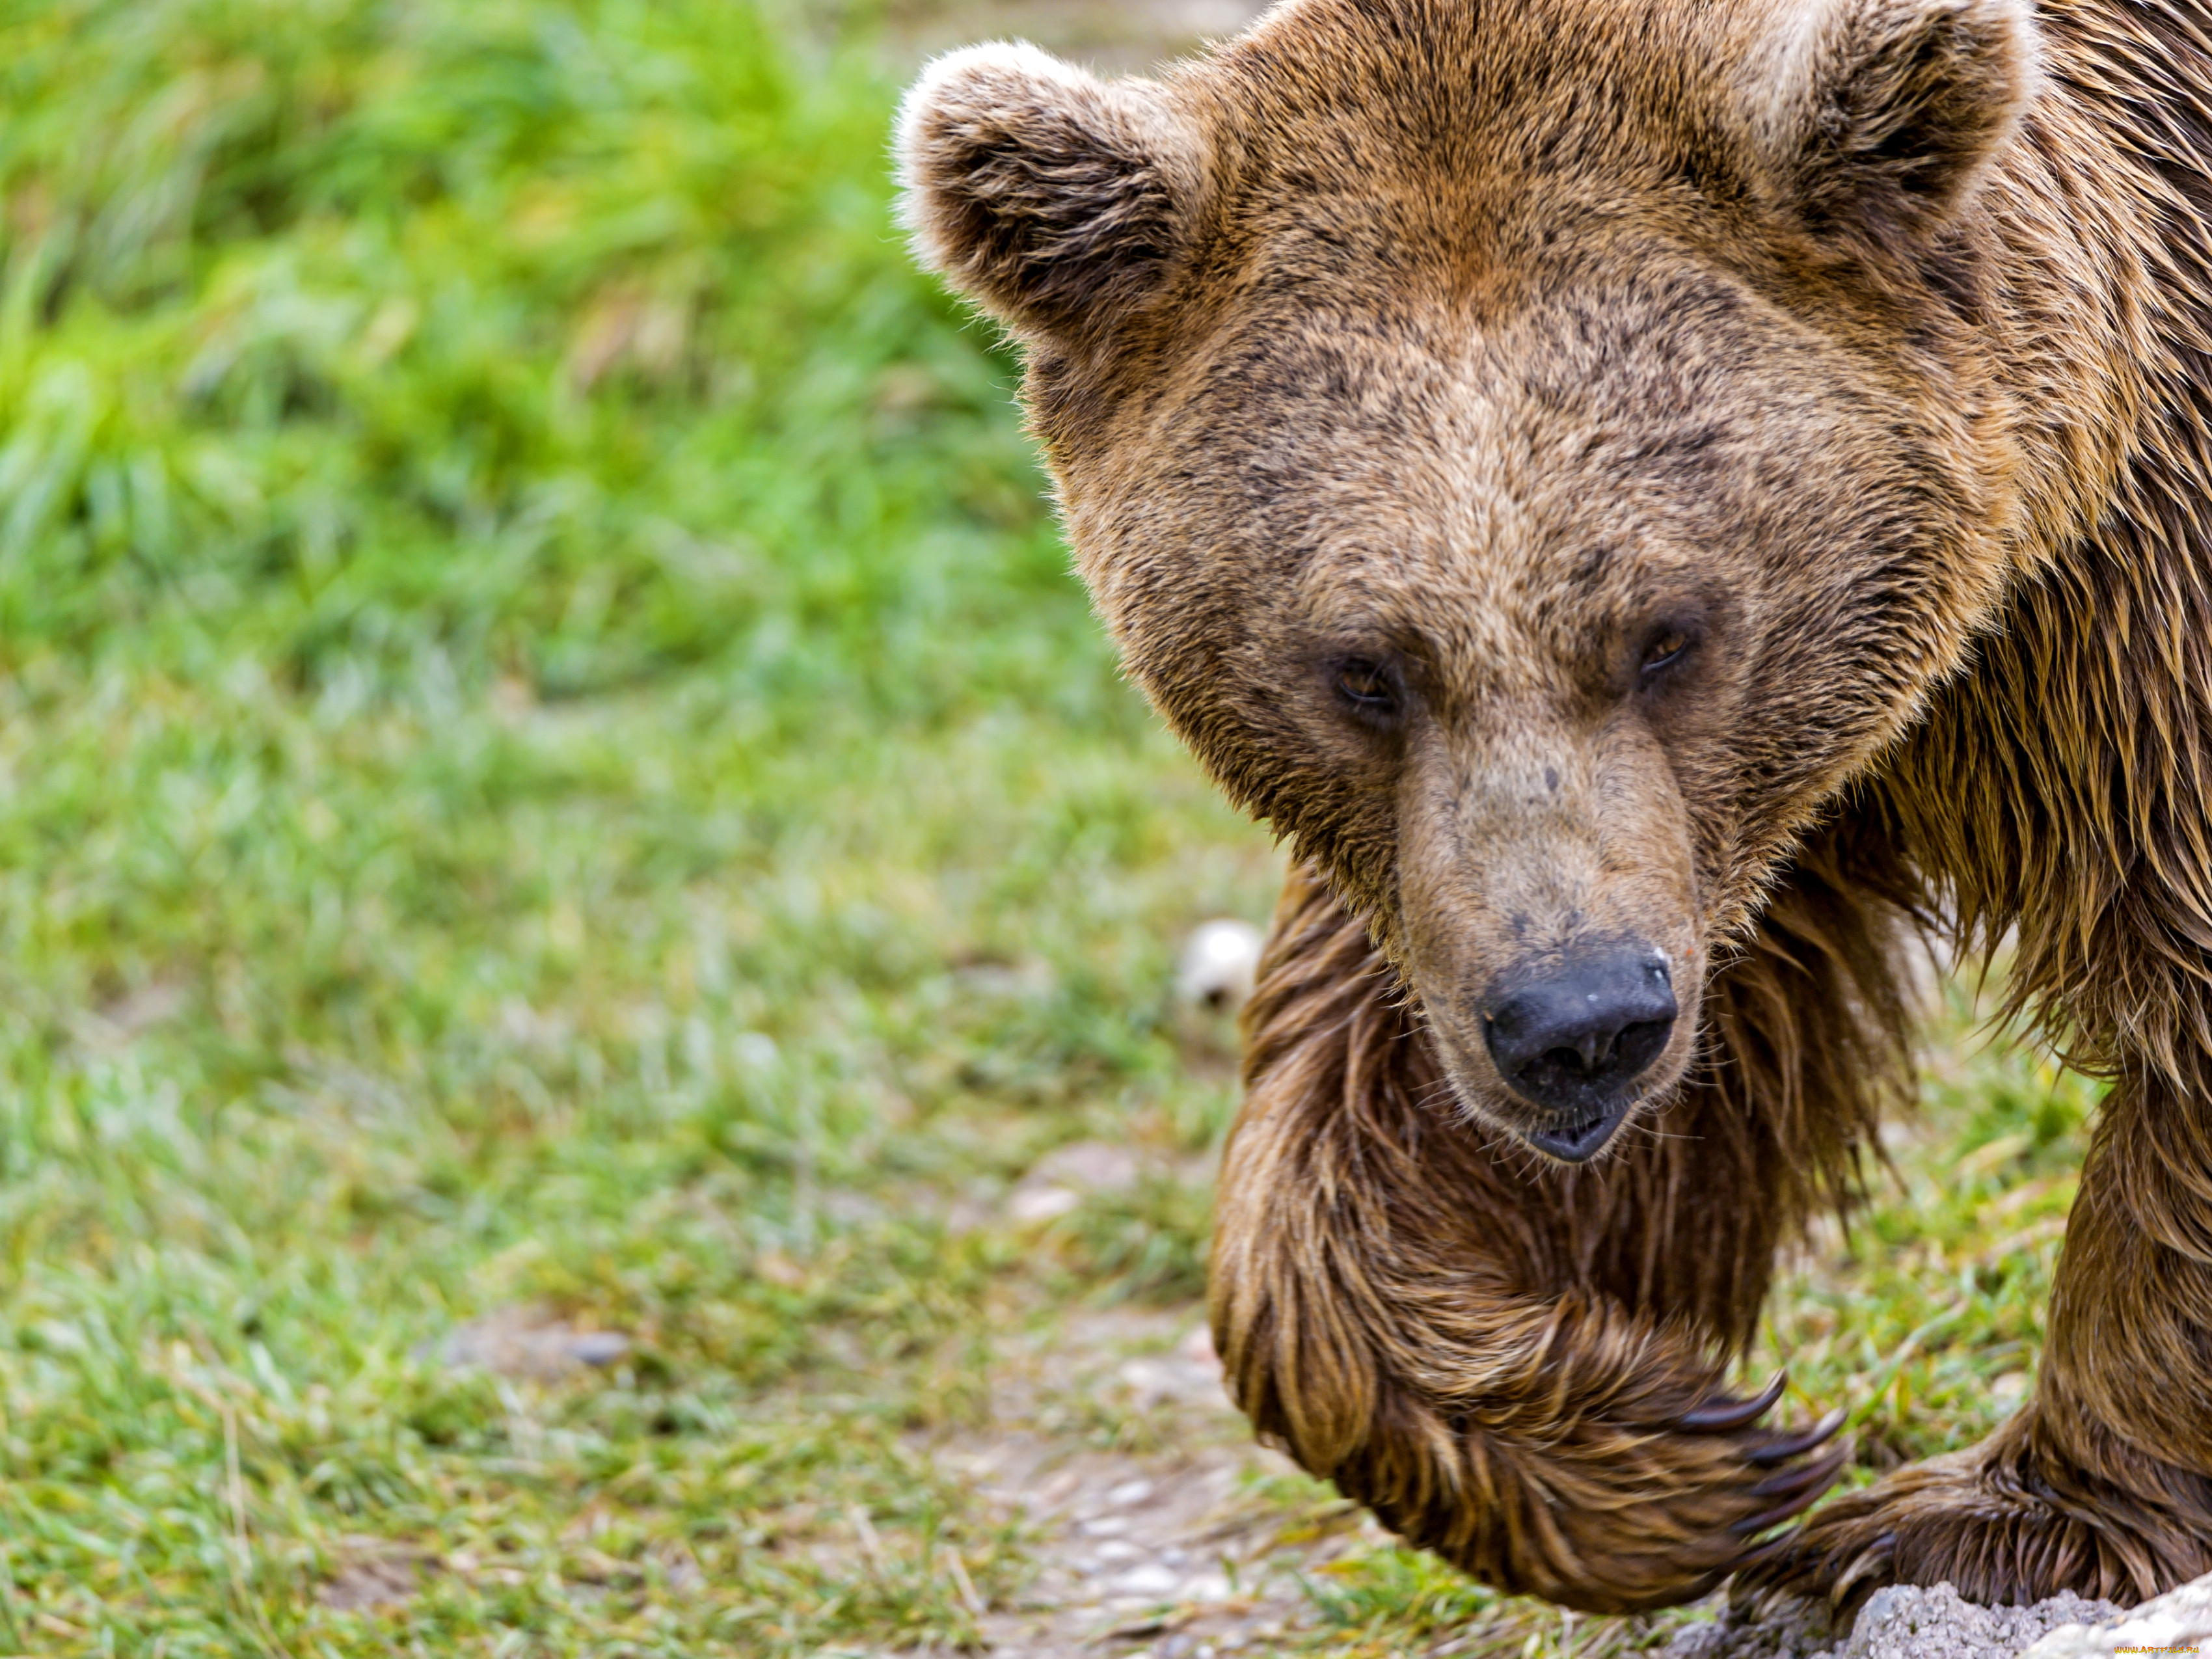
<point>1586,1056</point>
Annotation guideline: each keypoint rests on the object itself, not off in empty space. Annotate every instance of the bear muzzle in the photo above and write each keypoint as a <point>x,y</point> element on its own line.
<point>1575,1044</point>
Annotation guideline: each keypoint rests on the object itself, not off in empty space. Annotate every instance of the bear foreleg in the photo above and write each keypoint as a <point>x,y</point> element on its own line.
<point>2102,1483</point>
<point>1519,1367</point>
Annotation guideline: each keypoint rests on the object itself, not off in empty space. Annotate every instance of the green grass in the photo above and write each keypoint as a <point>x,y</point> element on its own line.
<point>551,758</point>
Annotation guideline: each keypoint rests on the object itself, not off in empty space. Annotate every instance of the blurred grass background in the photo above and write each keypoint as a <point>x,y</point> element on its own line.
<point>550,759</point>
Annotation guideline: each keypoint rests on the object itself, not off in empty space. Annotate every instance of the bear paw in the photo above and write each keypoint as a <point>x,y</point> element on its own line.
<point>1710,1490</point>
<point>1614,1515</point>
<point>1989,1522</point>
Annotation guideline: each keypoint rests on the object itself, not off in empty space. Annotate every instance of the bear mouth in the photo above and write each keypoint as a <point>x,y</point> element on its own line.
<point>1579,1142</point>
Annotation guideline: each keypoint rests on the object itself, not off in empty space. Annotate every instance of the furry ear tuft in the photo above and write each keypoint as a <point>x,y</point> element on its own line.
<point>1054,199</point>
<point>1881,114</point>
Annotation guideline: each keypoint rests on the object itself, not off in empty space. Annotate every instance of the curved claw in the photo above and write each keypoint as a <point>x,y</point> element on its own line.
<point>1821,1476</point>
<point>1873,1560</point>
<point>1734,1414</point>
<point>1797,1445</point>
<point>1789,1482</point>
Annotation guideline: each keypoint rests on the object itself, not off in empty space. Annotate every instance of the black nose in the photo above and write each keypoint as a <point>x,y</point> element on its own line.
<point>1574,1044</point>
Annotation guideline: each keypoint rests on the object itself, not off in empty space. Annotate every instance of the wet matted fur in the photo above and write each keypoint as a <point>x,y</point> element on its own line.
<point>1721,476</point>
<point>1499,1357</point>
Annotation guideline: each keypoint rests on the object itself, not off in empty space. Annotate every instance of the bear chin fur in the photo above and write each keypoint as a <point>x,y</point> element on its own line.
<point>1521,1366</point>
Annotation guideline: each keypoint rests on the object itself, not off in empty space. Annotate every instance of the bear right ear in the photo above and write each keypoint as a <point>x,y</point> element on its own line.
<point>1055,200</point>
<point>1878,116</point>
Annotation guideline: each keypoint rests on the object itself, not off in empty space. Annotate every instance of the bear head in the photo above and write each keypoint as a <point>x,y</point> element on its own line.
<point>1532,451</point>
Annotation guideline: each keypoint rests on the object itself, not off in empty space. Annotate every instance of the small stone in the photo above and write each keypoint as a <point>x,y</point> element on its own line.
<point>1153,1380</point>
<point>1197,1349</point>
<point>1059,1181</point>
<point>596,1347</point>
<point>1035,1205</point>
<point>1150,1579</point>
<point>368,1585</point>
<point>521,1342</point>
<point>1088,1166</point>
<point>774,1267</point>
<point>378,1574</point>
<point>1219,964</point>
<point>1150,1380</point>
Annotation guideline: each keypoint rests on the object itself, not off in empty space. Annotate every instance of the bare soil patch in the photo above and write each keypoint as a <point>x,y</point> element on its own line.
<point>1158,1524</point>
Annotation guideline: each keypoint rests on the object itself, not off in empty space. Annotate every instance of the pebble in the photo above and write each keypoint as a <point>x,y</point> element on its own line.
<point>1219,963</point>
<point>519,1342</point>
<point>1150,1579</point>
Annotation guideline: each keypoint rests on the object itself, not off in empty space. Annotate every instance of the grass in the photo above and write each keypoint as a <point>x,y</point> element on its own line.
<point>552,760</point>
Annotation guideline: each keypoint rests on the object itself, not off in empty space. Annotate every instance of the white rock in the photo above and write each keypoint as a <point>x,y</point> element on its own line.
<point>523,1342</point>
<point>1088,1166</point>
<point>1032,1205</point>
<point>1147,1580</point>
<point>1209,1587</point>
<point>1220,961</point>
<point>1197,1349</point>
<point>2178,1622</point>
<point>1058,1182</point>
<point>1903,1621</point>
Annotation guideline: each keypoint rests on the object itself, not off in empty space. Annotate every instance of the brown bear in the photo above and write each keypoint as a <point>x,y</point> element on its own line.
<point>1656,499</point>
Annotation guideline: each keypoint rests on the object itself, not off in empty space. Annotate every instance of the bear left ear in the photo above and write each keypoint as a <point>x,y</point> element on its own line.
<point>1055,200</point>
<point>1879,115</point>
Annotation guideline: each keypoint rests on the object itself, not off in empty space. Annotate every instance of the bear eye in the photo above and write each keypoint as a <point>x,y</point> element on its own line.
<point>1665,650</point>
<point>1367,687</point>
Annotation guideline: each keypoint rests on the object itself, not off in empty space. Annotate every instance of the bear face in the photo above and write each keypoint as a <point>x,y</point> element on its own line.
<point>1537,485</point>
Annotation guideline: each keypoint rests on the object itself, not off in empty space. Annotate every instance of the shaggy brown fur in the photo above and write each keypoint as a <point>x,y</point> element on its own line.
<point>1508,1367</point>
<point>1720,477</point>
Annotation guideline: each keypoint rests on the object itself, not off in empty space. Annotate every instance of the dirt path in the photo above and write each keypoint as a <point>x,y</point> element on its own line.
<point>1176,1536</point>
